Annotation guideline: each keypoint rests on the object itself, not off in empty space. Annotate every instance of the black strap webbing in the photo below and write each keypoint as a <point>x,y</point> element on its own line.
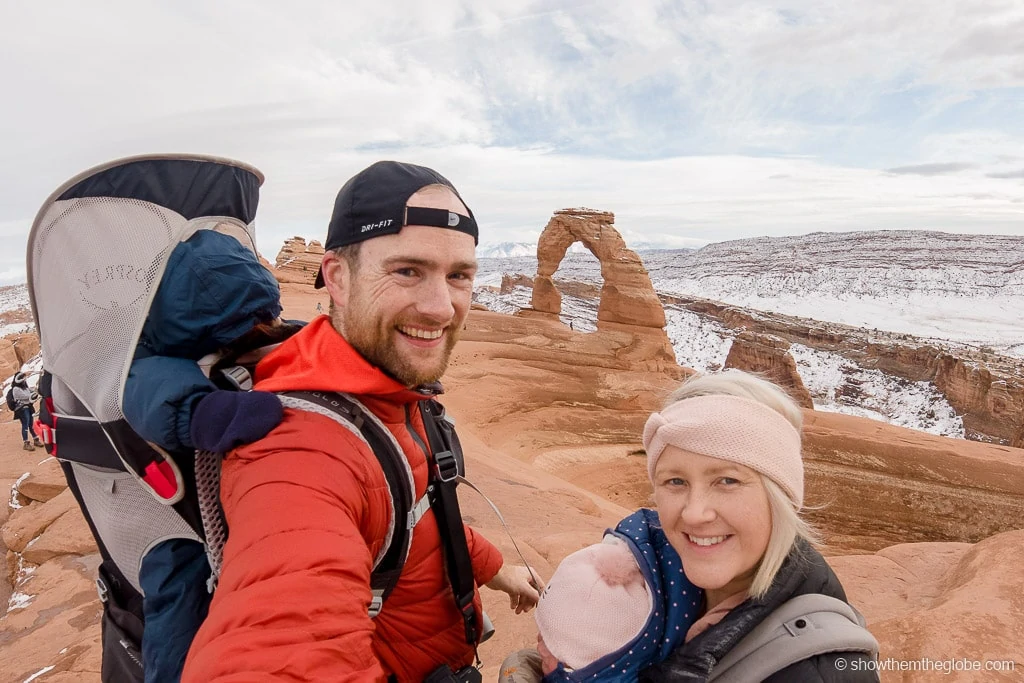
<point>444,501</point>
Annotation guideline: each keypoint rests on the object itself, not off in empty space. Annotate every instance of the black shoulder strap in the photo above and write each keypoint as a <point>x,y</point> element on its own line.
<point>447,467</point>
<point>392,461</point>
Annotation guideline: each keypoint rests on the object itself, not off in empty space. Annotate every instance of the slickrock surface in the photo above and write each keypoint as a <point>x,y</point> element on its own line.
<point>944,601</point>
<point>550,420</point>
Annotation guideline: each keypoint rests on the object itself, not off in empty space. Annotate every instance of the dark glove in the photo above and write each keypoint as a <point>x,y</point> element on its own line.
<point>225,419</point>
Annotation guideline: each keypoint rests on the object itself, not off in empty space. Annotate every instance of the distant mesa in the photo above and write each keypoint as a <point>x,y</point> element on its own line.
<point>298,262</point>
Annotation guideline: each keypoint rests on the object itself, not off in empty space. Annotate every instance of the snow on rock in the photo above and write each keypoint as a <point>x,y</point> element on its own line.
<point>962,288</point>
<point>39,673</point>
<point>699,343</point>
<point>839,385</point>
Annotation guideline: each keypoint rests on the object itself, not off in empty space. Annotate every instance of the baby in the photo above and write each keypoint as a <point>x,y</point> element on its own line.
<point>604,615</point>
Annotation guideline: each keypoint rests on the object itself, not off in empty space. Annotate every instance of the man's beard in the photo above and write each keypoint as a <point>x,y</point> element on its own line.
<point>376,343</point>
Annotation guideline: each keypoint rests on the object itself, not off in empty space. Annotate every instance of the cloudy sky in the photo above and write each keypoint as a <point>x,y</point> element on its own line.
<point>692,121</point>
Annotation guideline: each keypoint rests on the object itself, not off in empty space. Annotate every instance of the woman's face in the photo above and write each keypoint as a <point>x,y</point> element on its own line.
<point>716,515</point>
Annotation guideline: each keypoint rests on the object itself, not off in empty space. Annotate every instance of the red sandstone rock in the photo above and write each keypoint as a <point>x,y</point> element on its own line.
<point>68,535</point>
<point>30,521</point>
<point>769,356</point>
<point>45,481</point>
<point>943,601</point>
<point>26,346</point>
<point>297,262</point>
<point>627,296</point>
<point>9,363</point>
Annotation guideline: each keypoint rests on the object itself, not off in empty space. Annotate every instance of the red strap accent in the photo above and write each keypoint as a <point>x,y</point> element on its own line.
<point>48,435</point>
<point>160,477</point>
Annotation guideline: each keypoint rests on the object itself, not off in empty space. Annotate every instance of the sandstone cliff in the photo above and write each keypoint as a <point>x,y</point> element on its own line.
<point>987,390</point>
<point>298,262</point>
<point>769,356</point>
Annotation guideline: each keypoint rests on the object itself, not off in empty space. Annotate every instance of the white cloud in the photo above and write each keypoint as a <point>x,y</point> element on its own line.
<point>690,121</point>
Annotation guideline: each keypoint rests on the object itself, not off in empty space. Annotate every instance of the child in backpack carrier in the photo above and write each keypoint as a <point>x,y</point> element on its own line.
<point>604,615</point>
<point>213,293</point>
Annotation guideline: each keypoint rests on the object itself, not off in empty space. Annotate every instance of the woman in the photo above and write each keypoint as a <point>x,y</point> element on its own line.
<point>724,460</point>
<point>22,397</point>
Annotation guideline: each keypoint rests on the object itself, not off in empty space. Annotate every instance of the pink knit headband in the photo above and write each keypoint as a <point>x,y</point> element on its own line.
<point>731,428</point>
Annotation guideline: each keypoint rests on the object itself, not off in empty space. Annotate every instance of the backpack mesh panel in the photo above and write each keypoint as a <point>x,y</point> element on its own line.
<point>127,517</point>
<point>95,264</point>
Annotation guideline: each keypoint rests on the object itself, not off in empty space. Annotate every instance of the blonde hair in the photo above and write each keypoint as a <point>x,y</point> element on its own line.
<point>787,524</point>
<point>787,527</point>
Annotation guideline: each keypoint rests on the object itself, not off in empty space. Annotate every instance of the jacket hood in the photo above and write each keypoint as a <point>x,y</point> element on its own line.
<point>213,291</point>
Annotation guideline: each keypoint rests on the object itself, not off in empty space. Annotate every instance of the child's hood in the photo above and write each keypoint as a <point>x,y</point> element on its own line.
<point>213,291</point>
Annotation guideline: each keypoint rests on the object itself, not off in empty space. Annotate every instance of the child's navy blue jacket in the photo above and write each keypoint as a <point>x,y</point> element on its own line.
<point>212,292</point>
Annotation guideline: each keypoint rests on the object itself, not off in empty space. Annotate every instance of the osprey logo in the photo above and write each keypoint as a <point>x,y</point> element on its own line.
<point>113,286</point>
<point>373,226</point>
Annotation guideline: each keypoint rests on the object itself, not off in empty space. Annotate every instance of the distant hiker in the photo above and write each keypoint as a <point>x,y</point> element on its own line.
<point>214,292</point>
<point>724,459</point>
<point>309,507</point>
<point>570,326</point>
<point>20,399</point>
<point>319,308</point>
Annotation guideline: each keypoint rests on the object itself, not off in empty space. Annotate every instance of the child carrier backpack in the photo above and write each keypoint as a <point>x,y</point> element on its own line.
<point>802,627</point>
<point>97,252</point>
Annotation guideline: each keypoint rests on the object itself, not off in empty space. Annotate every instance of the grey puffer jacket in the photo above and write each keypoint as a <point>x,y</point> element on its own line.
<point>23,398</point>
<point>804,572</point>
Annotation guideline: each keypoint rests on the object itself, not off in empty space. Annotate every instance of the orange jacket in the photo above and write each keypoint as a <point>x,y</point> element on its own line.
<point>308,508</point>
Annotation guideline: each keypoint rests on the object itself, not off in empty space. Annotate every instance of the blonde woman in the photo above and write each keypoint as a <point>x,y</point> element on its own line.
<point>724,459</point>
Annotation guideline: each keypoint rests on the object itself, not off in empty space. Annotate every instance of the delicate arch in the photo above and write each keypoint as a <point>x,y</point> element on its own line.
<point>627,296</point>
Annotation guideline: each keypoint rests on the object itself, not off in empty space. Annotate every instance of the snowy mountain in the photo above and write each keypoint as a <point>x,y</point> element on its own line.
<point>15,314</point>
<point>964,288</point>
<point>507,250</point>
<point>519,250</point>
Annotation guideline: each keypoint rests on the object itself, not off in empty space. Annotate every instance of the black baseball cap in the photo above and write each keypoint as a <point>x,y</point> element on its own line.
<point>373,203</point>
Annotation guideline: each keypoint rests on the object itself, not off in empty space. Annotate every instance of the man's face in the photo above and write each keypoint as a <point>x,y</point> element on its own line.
<point>403,302</point>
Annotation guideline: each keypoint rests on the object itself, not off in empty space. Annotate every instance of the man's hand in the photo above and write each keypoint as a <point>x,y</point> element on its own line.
<point>518,582</point>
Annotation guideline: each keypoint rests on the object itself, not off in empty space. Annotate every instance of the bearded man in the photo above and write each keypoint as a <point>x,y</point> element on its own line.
<point>308,506</point>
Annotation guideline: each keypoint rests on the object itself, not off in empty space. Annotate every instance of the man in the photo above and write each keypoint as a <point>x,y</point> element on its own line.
<point>308,506</point>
